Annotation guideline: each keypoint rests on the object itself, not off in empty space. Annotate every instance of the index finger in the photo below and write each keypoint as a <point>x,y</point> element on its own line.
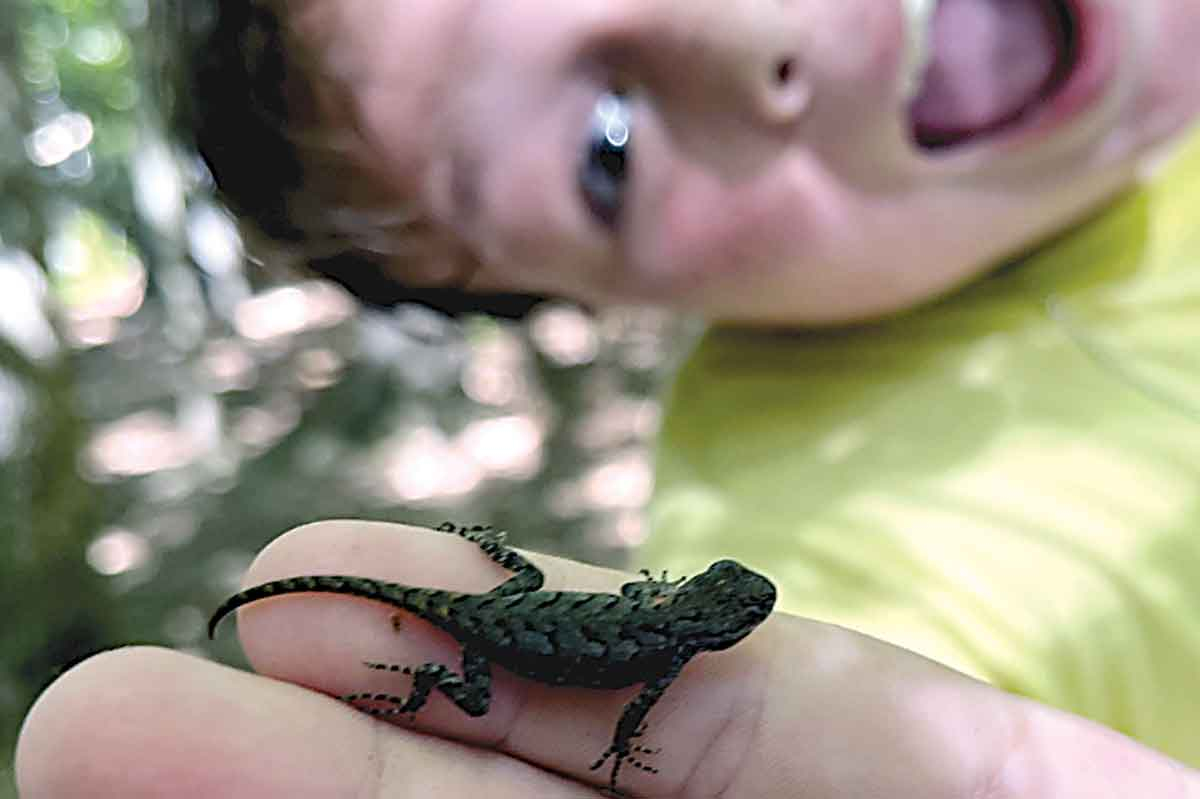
<point>797,707</point>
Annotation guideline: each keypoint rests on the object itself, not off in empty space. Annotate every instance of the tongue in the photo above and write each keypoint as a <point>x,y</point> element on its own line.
<point>991,61</point>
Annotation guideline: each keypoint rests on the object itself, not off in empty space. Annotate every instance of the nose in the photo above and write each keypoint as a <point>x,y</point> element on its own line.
<point>761,43</point>
<point>745,56</point>
<point>786,90</point>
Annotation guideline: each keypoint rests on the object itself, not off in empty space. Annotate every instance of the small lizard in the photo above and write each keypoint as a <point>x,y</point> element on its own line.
<point>645,634</point>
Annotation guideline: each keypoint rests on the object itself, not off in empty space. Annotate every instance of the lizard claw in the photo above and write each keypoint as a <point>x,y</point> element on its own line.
<point>640,765</point>
<point>619,758</point>
<point>609,752</point>
<point>474,532</point>
<point>662,578</point>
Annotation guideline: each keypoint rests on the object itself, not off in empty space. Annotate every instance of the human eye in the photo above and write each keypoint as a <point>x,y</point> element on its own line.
<point>603,171</point>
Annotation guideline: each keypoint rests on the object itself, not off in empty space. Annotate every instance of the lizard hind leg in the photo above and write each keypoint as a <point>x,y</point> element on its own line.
<point>470,691</point>
<point>526,577</point>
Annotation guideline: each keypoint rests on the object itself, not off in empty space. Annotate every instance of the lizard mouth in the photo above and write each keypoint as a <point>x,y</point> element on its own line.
<point>991,65</point>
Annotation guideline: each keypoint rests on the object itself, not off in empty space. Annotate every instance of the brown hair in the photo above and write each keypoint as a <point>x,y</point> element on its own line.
<point>253,111</point>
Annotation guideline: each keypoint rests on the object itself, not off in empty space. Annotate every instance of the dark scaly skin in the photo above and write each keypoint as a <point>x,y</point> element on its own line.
<point>645,634</point>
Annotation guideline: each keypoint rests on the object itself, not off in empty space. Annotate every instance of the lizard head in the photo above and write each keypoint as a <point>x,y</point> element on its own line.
<point>724,603</point>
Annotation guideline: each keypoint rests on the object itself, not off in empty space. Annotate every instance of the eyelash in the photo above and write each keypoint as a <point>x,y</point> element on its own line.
<point>603,171</point>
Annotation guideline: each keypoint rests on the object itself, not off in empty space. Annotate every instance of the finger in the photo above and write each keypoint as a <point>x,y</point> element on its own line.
<point>798,708</point>
<point>321,640</point>
<point>144,722</point>
<point>845,715</point>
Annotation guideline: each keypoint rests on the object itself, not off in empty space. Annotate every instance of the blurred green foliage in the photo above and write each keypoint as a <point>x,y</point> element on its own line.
<point>55,57</point>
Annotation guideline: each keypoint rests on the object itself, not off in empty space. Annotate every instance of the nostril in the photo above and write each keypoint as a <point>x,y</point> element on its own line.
<point>790,92</point>
<point>785,71</point>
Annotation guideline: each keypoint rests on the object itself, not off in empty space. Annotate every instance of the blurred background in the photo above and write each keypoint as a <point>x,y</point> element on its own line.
<point>167,408</point>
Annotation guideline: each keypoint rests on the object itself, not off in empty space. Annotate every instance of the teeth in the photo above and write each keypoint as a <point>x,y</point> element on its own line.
<point>919,14</point>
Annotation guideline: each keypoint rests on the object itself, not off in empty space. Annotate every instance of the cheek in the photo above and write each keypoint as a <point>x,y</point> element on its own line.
<point>706,227</point>
<point>525,223</point>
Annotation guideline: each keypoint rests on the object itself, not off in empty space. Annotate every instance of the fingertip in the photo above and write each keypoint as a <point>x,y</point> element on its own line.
<point>143,721</point>
<point>381,550</point>
<point>49,759</point>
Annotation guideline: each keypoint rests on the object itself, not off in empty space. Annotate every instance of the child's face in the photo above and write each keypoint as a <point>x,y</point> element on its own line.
<point>760,160</point>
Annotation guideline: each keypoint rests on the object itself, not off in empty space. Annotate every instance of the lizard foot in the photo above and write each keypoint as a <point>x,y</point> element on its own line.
<point>398,704</point>
<point>642,750</point>
<point>474,532</point>
<point>620,758</point>
<point>392,667</point>
<point>652,589</point>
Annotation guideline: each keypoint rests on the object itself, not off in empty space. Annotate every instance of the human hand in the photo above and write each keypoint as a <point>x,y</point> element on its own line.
<point>798,708</point>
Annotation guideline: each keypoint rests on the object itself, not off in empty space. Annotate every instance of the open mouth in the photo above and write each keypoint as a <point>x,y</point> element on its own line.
<point>991,65</point>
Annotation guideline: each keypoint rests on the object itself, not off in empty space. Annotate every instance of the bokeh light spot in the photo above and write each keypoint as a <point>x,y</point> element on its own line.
<point>117,552</point>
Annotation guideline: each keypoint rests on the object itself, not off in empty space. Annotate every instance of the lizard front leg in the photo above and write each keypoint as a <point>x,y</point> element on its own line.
<point>652,588</point>
<point>472,691</point>
<point>630,725</point>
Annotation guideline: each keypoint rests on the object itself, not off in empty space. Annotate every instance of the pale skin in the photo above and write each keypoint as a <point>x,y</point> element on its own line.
<point>805,202</point>
<point>798,708</point>
<point>808,205</point>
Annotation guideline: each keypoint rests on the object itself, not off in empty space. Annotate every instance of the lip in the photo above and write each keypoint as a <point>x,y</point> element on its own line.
<point>1098,48</point>
<point>1095,67</point>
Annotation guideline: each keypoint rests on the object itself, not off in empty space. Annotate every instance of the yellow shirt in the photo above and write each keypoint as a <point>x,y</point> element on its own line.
<point>1007,481</point>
